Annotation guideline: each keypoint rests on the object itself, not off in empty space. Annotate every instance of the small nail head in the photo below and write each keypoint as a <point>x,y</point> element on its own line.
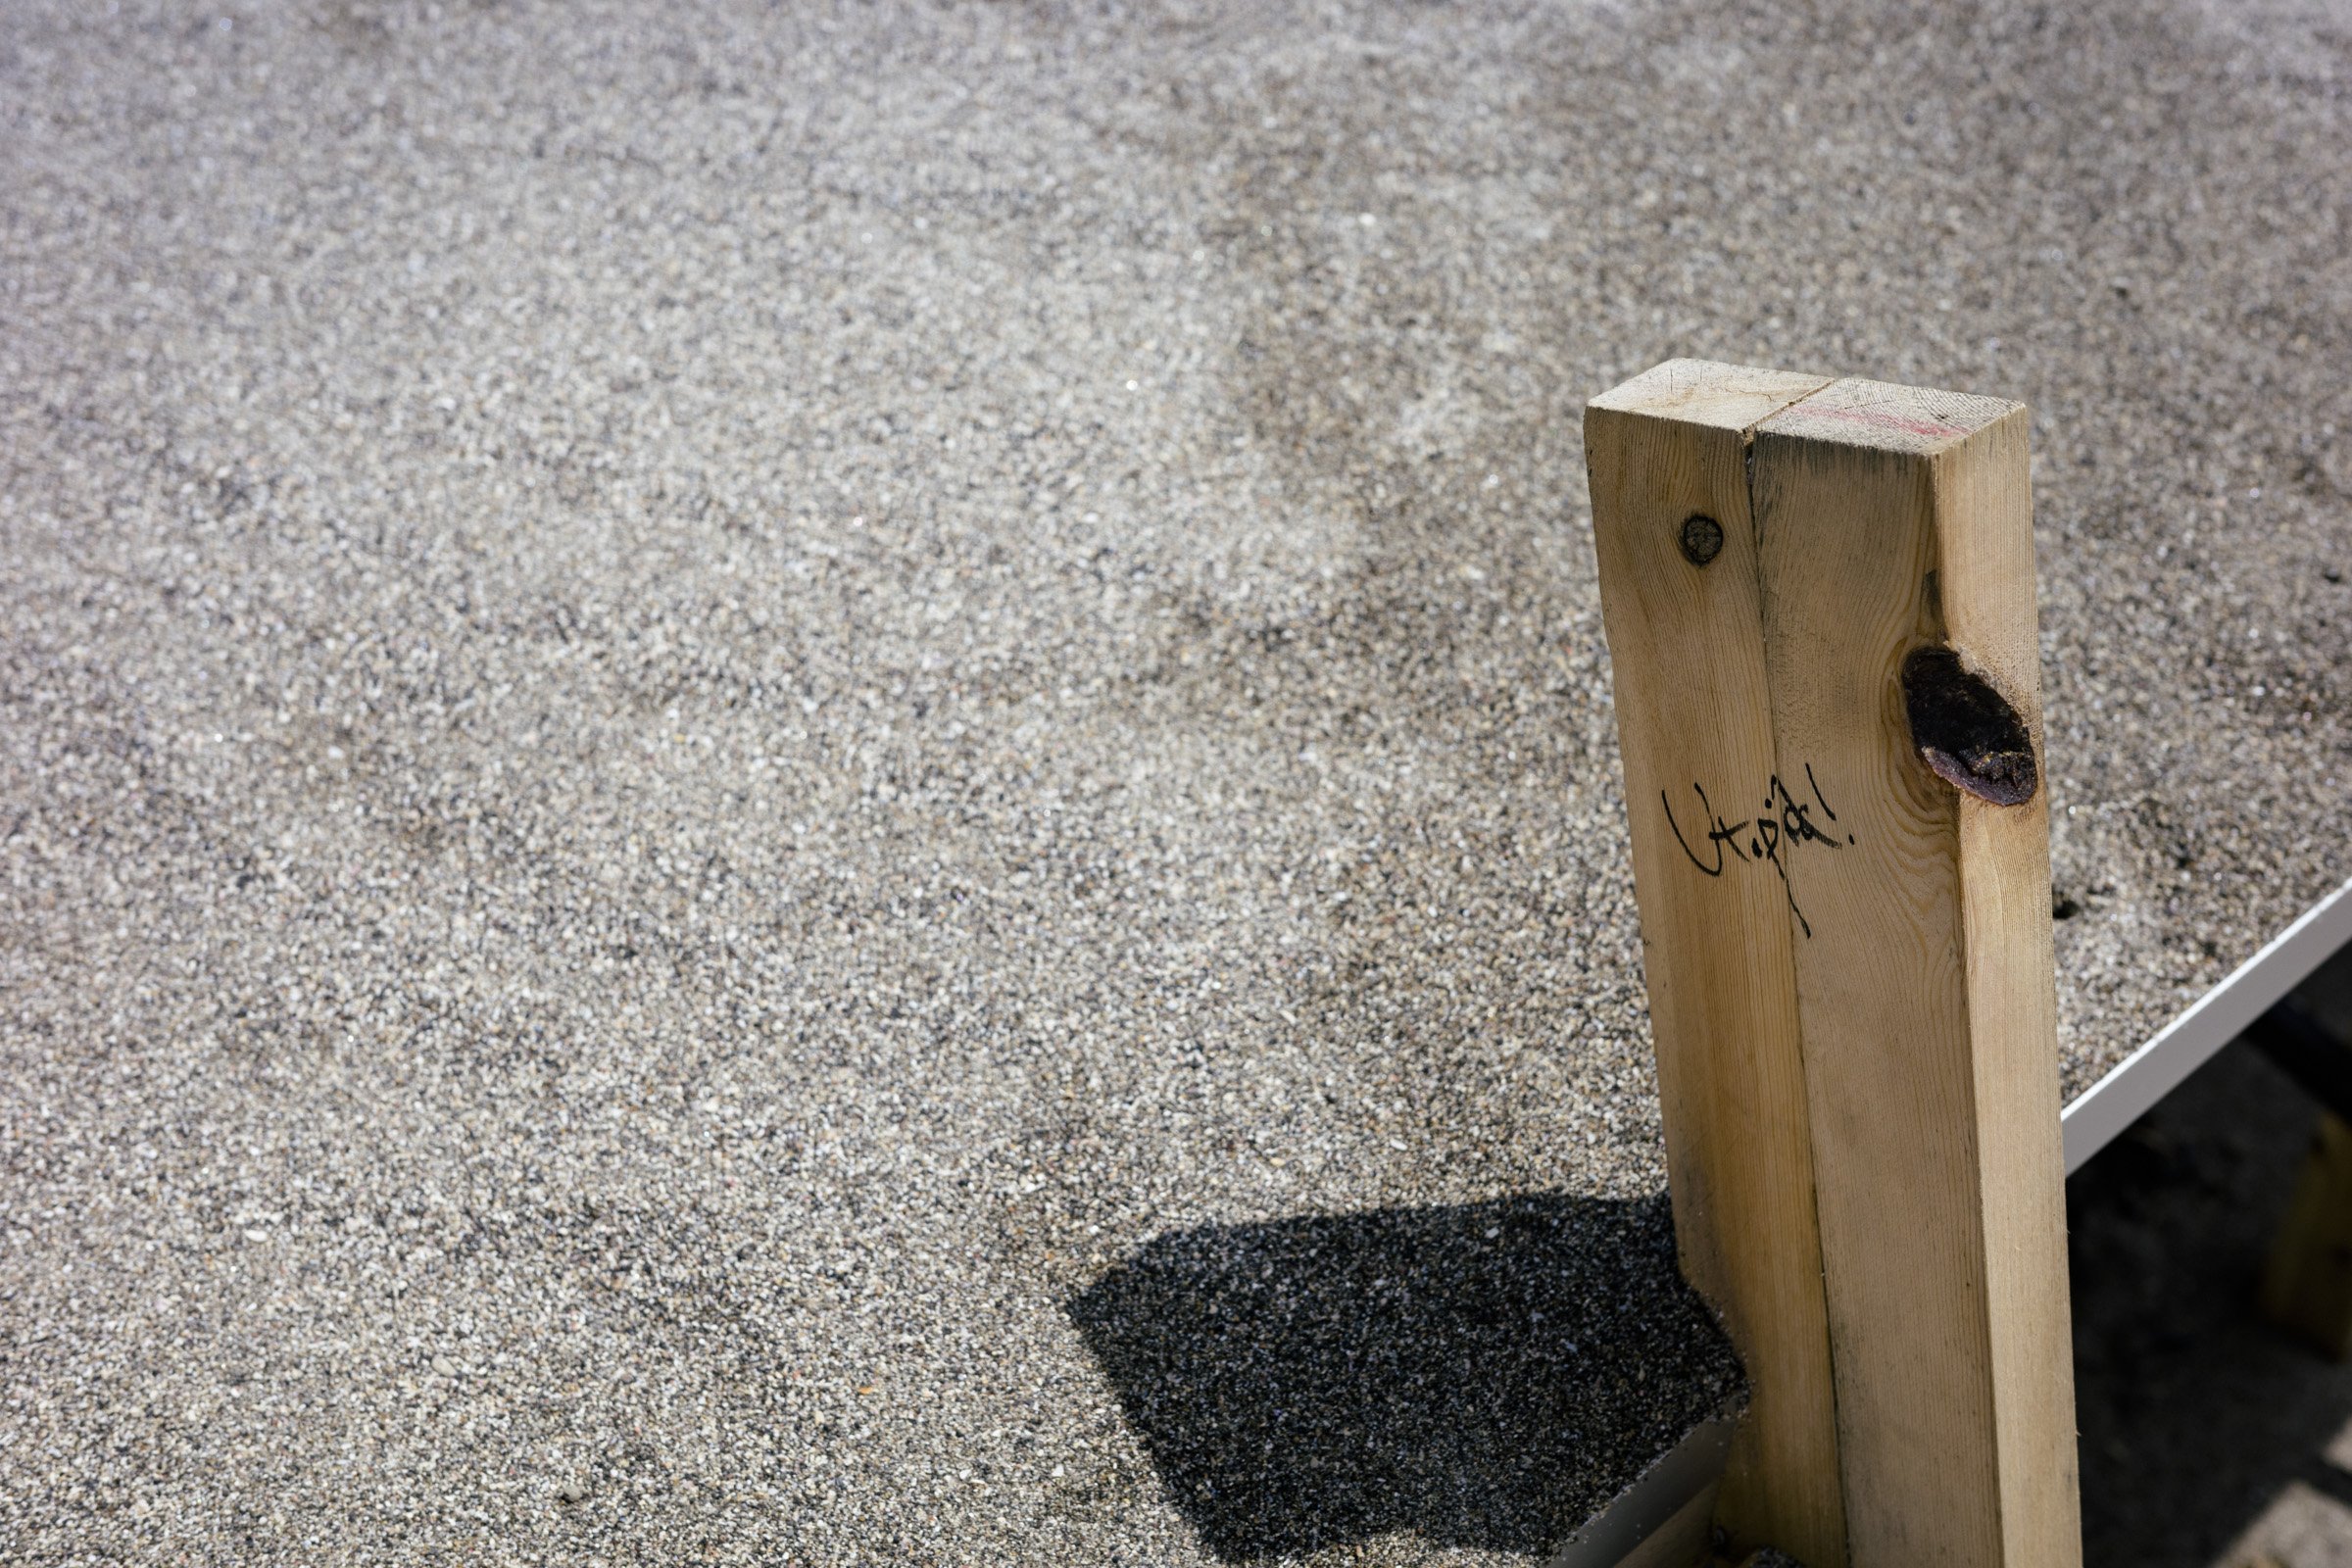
<point>1701,538</point>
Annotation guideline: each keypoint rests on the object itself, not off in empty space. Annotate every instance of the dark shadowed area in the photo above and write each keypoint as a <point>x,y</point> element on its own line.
<point>2206,1431</point>
<point>1483,1375</point>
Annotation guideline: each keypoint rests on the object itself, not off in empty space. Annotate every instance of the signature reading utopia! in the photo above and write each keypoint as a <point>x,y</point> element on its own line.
<point>1770,836</point>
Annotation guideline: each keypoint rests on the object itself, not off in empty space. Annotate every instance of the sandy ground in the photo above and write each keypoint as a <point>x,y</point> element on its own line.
<point>784,785</point>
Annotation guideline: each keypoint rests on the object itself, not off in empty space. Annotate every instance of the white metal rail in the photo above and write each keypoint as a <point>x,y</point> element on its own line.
<point>2221,1015</point>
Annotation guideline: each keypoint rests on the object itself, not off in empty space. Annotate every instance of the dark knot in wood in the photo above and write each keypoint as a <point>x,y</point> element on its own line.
<point>1702,538</point>
<point>1966,730</point>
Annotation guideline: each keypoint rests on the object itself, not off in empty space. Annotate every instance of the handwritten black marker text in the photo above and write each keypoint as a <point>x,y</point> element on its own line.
<point>1771,836</point>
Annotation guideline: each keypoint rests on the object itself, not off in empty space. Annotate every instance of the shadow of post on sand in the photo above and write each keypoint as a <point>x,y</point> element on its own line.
<point>1485,1375</point>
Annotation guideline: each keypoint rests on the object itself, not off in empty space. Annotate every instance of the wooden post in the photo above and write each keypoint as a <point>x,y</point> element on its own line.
<point>1820,607</point>
<point>2306,1282</point>
<point>1682,602</point>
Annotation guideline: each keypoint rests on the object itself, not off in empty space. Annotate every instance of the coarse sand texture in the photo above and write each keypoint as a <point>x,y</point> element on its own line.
<point>829,787</point>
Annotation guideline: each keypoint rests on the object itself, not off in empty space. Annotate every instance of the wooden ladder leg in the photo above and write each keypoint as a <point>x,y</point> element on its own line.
<point>1819,599</point>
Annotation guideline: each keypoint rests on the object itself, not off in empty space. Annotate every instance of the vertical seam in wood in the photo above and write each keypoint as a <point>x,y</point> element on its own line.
<point>1865,521</point>
<point>1828,1347</point>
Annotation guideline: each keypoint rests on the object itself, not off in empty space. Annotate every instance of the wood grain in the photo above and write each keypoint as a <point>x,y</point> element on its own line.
<point>1687,650</point>
<point>1895,520</point>
<point>1848,957</point>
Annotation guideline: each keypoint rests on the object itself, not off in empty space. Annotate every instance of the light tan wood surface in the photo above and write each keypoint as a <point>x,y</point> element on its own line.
<point>1895,521</point>
<point>1857,938</point>
<point>1687,650</point>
